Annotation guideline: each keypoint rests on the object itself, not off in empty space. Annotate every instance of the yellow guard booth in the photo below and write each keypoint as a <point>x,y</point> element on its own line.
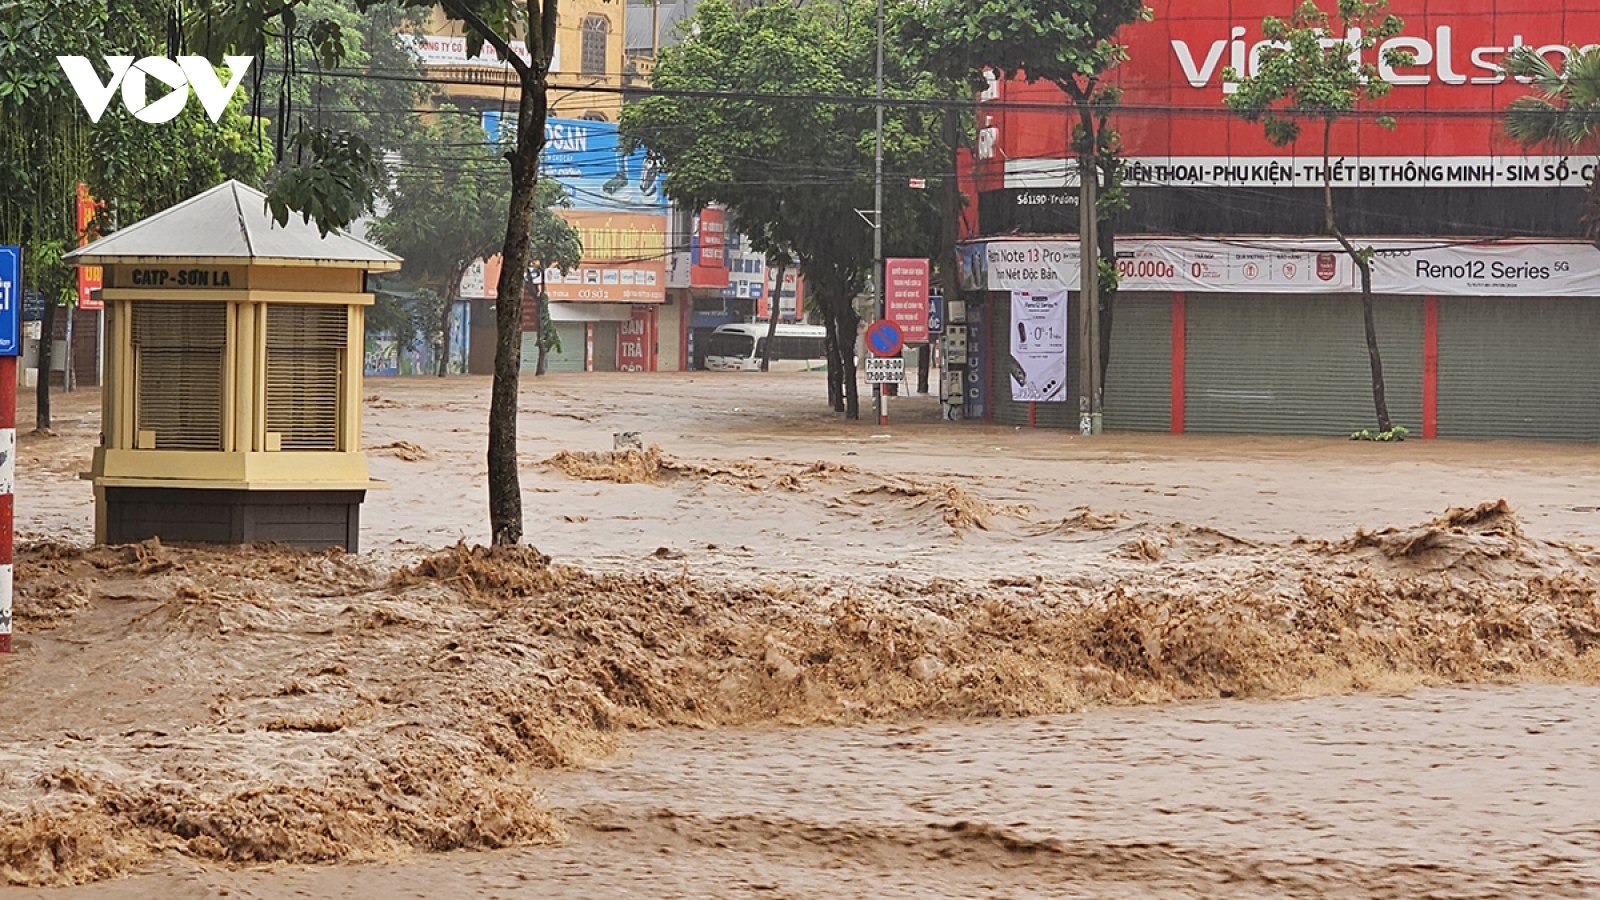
<point>232,387</point>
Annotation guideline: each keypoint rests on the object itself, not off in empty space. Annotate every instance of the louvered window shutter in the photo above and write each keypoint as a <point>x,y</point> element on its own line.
<point>305,354</point>
<point>178,357</point>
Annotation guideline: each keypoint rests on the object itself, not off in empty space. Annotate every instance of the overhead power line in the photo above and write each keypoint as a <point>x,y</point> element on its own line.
<point>905,102</point>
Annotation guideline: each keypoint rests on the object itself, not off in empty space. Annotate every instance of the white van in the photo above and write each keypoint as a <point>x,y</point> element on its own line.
<point>739,348</point>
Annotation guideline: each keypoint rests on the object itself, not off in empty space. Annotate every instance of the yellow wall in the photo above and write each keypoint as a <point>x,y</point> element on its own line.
<point>564,102</point>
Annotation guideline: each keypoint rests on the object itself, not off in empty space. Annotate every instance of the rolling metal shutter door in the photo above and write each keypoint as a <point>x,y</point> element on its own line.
<point>605,346</point>
<point>997,321</point>
<point>568,359</point>
<point>1139,376</point>
<point>1284,364</point>
<point>1519,368</point>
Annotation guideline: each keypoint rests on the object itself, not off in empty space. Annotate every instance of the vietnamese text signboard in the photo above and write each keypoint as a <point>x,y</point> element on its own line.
<point>1174,131</point>
<point>906,298</point>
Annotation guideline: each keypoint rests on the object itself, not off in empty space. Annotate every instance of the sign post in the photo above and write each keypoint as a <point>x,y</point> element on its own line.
<point>883,341</point>
<point>10,346</point>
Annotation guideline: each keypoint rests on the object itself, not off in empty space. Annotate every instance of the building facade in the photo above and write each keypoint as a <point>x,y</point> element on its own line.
<point>1236,314</point>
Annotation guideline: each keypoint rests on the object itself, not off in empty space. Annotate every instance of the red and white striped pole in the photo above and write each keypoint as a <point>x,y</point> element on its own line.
<point>8,478</point>
<point>10,346</point>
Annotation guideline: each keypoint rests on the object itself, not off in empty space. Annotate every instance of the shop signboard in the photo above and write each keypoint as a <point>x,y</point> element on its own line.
<point>451,50</point>
<point>709,264</point>
<point>636,340</point>
<point>90,278</point>
<point>624,259</point>
<point>1174,130</point>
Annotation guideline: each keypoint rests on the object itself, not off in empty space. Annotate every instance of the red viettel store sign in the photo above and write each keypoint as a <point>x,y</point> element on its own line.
<point>906,298</point>
<point>1175,132</point>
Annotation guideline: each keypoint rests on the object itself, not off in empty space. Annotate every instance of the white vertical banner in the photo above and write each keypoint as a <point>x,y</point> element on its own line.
<point>1039,346</point>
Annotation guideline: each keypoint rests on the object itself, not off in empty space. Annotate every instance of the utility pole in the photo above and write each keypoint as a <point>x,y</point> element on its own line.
<point>1089,413</point>
<point>655,30</point>
<point>879,288</point>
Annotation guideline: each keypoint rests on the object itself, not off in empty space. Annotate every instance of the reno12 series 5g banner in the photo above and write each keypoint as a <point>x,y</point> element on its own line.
<point>1039,346</point>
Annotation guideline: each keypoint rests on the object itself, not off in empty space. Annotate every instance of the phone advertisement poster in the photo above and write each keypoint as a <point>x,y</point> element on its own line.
<point>1039,346</point>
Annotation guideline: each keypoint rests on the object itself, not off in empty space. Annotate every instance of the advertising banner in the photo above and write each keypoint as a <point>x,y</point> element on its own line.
<point>588,159</point>
<point>906,298</point>
<point>448,50</point>
<point>1501,269</point>
<point>624,259</point>
<point>90,278</point>
<point>1416,267</point>
<point>1175,131</point>
<point>1237,268</point>
<point>1038,363</point>
<point>1031,265</point>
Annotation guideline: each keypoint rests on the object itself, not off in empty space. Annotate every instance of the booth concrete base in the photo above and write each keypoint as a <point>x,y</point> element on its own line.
<point>309,519</point>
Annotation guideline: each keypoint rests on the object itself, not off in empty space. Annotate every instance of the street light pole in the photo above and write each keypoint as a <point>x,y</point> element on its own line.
<point>879,288</point>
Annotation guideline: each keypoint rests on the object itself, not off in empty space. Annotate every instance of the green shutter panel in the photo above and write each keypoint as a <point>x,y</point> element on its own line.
<point>1290,364</point>
<point>1519,368</point>
<point>1139,377</point>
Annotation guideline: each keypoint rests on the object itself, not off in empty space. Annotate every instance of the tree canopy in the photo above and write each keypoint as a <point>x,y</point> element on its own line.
<point>1563,111</point>
<point>795,174</point>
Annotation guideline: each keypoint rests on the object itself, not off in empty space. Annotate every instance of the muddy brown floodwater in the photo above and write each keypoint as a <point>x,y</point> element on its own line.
<point>781,655</point>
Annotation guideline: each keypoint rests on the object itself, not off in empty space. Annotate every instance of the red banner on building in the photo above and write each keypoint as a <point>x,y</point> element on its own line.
<point>636,341</point>
<point>906,299</point>
<point>710,269</point>
<point>90,278</point>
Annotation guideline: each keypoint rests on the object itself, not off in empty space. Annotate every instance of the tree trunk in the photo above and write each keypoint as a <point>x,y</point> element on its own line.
<point>924,363</point>
<point>1107,236</point>
<point>444,320</point>
<point>505,488</point>
<point>835,359</point>
<point>47,340</point>
<point>1380,402</point>
<point>543,341</point>
<point>772,318</point>
<point>847,355</point>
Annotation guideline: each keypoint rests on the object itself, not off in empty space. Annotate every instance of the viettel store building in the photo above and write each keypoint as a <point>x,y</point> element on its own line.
<point>1234,315</point>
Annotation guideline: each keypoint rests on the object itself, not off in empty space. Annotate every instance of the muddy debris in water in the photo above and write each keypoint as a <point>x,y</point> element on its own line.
<point>1082,519</point>
<point>325,707</point>
<point>403,450</point>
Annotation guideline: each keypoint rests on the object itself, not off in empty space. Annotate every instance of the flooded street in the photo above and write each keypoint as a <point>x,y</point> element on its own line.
<point>782,655</point>
<point>1486,793</point>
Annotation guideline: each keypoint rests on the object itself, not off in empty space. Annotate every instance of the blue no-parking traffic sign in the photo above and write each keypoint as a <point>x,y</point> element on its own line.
<point>10,301</point>
<point>883,338</point>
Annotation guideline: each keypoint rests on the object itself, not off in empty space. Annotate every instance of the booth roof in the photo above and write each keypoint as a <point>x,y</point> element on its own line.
<point>230,224</point>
